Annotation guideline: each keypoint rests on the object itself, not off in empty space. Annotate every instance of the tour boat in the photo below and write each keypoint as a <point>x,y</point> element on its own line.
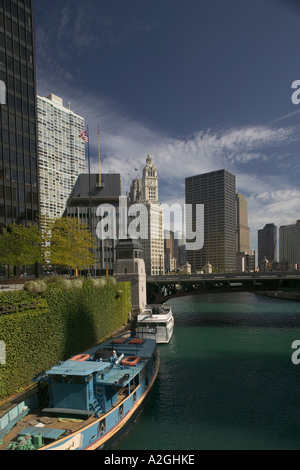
<point>93,399</point>
<point>157,319</point>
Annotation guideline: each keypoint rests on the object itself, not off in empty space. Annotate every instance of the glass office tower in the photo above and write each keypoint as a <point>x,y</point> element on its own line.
<point>19,202</point>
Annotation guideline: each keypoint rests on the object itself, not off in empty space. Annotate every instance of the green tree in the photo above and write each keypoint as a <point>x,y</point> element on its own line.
<point>71,244</point>
<point>20,245</point>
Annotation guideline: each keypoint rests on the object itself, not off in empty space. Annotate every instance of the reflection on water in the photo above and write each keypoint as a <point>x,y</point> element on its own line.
<point>226,379</point>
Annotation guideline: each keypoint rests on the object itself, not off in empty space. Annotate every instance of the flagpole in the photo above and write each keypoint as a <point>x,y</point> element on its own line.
<point>99,156</point>
<point>89,169</point>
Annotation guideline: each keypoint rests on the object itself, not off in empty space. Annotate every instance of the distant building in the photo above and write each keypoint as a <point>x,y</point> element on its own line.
<point>61,153</point>
<point>136,191</point>
<point>217,192</point>
<point>267,244</point>
<point>145,191</point>
<point>289,245</point>
<point>169,249</point>
<point>86,196</point>
<point>243,231</point>
<point>130,265</point>
<point>245,257</point>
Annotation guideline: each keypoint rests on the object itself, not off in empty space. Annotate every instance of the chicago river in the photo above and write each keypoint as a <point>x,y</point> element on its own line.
<point>227,380</point>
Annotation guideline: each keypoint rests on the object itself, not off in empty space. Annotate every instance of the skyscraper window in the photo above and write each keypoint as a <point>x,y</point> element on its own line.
<point>18,150</point>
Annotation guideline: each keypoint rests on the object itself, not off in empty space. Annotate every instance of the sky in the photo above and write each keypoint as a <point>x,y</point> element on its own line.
<point>201,85</point>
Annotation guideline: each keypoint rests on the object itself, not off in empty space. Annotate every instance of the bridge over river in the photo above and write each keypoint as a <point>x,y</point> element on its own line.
<point>162,288</point>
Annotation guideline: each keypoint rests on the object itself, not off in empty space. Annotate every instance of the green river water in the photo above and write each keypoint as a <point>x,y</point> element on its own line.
<point>226,379</point>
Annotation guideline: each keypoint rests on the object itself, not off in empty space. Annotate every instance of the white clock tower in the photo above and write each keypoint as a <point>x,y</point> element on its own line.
<point>150,182</point>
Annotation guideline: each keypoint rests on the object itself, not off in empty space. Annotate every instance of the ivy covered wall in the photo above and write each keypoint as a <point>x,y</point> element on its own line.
<point>49,322</point>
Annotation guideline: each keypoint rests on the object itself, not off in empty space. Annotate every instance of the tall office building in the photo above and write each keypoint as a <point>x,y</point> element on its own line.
<point>243,231</point>
<point>217,192</point>
<point>145,191</point>
<point>245,257</point>
<point>289,244</point>
<point>19,197</point>
<point>267,244</point>
<point>61,153</point>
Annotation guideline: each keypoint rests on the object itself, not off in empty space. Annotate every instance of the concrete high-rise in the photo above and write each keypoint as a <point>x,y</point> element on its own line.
<point>289,244</point>
<point>243,231</point>
<point>245,256</point>
<point>217,192</point>
<point>61,153</point>
<point>19,196</point>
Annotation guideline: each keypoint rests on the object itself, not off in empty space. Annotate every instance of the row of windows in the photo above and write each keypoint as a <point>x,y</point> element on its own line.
<point>16,212</point>
<point>17,10</point>
<point>14,66</point>
<point>18,141</point>
<point>15,48</point>
<point>20,87</point>
<point>11,156</point>
<point>16,30</point>
<point>18,195</point>
<point>17,175</point>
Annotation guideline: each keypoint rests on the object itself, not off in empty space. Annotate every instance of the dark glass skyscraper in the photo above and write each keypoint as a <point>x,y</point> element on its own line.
<point>217,191</point>
<point>267,243</point>
<point>18,148</point>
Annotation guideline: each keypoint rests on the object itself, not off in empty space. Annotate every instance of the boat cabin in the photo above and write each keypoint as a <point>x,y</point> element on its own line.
<point>90,385</point>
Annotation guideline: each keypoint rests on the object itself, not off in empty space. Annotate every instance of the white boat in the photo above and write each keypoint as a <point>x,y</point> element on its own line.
<point>156,319</point>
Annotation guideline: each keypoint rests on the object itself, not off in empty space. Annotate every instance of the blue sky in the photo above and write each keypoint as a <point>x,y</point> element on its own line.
<point>201,85</point>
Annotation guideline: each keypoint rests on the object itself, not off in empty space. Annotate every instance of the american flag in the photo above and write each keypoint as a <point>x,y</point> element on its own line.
<point>83,135</point>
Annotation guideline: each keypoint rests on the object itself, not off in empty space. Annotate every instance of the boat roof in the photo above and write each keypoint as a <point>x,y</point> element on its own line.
<point>115,375</point>
<point>155,312</point>
<point>129,345</point>
<point>125,344</point>
<point>80,368</point>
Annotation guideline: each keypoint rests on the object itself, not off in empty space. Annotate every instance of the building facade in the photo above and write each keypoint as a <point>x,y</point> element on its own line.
<point>245,257</point>
<point>289,245</point>
<point>267,244</point>
<point>130,266</point>
<point>19,195</point>
<point>243,231</point>
<point>217,192</point>
<point>83,203</point>
<point>136,191</point>
<point>61,153</point>
<point>145,191</point>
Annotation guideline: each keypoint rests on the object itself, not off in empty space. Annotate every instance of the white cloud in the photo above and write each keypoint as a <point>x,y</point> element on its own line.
<point>126,140</point>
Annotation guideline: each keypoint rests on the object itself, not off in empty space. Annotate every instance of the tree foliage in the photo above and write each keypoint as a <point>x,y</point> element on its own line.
<point>20,245</point>
<point>71,244</point>
<point>64,241</point>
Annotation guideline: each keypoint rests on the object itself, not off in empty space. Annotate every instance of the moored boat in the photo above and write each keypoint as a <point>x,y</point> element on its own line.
<point>93,399</point>
<point>158,320</point>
